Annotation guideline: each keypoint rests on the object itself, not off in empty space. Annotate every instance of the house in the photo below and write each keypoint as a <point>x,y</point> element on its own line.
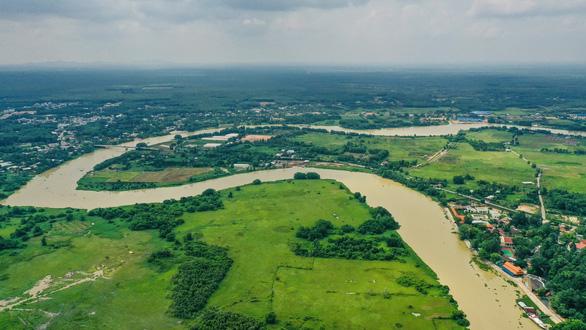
<point>581,245</point>
<point>242,167</point>
<point>457,215</point>
<point>211,145</point>
<point>509,268</point>
<point>221,137</point>
<point>506,241</point>
<point>470,119</point>
<point>256,138</point>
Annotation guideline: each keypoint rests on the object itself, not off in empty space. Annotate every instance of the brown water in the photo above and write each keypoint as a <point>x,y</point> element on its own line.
<point>437,130</point>
<point>487,299</point>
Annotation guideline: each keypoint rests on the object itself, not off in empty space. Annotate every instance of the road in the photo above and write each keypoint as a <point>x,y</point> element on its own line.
<point>543,307</point>
<point>433,158</point>
<point>479,200</point>
<point>542,205</point>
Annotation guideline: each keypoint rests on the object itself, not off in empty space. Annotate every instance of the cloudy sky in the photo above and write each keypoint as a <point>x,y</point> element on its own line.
<point>293,31</point>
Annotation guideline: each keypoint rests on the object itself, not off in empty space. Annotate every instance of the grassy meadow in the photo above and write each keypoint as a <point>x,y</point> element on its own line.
<point>399,148</point>
<point>560,170</point>
<point>258,226</point>
<point>172,175</point>
<point>126,293</point>
<point>99,276</point>
<point>493,166</point>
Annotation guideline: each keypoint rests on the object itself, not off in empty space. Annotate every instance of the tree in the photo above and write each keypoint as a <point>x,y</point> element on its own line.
<point>570,325</point>
<point>44,241</point>
<point>313,176</point>
<point>299,176</point>
<point>271,318</point>
<point>458,179</point>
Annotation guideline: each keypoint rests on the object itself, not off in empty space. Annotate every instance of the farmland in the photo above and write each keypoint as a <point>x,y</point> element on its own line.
<point>167,177</point>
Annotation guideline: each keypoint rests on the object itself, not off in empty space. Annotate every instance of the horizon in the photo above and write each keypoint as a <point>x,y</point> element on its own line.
<point>299,32</point>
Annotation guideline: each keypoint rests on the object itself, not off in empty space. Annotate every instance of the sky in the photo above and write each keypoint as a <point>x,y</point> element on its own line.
<point>365,32</point>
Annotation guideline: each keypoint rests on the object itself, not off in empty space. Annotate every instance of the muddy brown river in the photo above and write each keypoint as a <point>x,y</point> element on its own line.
<point>487,299</point>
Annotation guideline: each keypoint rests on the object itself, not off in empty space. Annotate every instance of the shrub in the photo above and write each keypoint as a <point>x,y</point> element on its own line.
<point>214,318</point>
<point>320,230</point>
<point>299,176</point>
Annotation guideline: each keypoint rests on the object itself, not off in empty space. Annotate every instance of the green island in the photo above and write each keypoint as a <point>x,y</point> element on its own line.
<point>268,263</point>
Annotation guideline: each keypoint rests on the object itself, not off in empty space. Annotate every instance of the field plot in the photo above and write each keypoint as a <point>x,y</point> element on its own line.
<point>258,227</point>
<point>91,274</point>
<point>555,155</point>
<point>399,148</point>
<point>493,166</point>
<point>169,175</point>
<point>490,136</point>
<point>113,179</point>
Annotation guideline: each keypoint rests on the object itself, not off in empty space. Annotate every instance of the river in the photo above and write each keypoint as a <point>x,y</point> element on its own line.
<point>436,130</point>
<point>487,299</point>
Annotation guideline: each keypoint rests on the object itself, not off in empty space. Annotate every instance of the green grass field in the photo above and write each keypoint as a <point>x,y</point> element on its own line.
<point>399,148</point>
<point>560,170</point>
<point>257,225</point>
<point>173,176</point>
<point>130,295</point>
<point>490,136</point>
<point>170,175</point>
<point>493,166</point>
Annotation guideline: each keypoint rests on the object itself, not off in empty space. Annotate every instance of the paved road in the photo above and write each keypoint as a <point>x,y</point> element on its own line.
<point>543,307</point>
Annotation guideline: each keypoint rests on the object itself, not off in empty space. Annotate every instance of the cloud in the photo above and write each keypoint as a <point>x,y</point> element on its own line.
<point>285,5</point>
<point>292,31</point>
<point>85,10</point>
<point>527,8</point>
<point>171,10</point>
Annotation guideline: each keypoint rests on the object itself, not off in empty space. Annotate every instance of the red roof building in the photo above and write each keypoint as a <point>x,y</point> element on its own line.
<point>513,270</point>
<point>506,241</point>
<point>581,245</point>
<point>457,215</point>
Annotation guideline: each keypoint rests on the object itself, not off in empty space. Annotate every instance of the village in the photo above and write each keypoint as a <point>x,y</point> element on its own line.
<point>498,221</point>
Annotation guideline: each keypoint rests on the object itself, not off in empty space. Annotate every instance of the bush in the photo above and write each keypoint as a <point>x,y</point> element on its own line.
<point>214,318</point>
<point>271,318</point>
<point>320,230</point>
<point>299,176</point>
<point>347,229</point>
<point>313,176</point>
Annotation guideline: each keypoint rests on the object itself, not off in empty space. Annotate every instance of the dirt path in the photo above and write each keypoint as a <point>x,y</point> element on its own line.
<point>541,203</point>
<point>538,184</point>
<point>41,289</point>
<point>433,158</point>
